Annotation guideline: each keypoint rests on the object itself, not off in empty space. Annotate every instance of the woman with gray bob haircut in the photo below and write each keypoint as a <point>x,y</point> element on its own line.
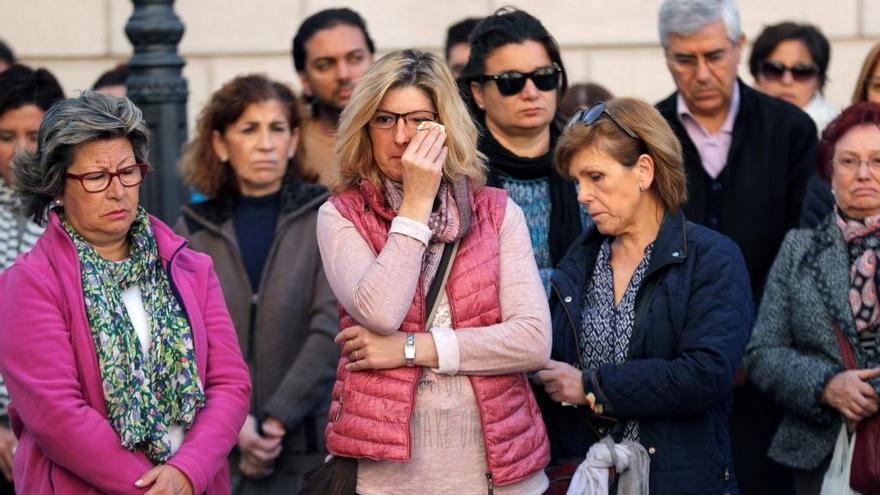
<point>40,175</point>
<point>689,16</point>
<point>129,378</point>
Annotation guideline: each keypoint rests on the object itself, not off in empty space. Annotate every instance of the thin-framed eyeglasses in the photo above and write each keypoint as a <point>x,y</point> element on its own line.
<point>512,82</point>
<point>775,71</point>
<point>95,182</point>
<point>589,116</point>
<point>383,119</point>
<point>688,62</point>
<point>851,164</point>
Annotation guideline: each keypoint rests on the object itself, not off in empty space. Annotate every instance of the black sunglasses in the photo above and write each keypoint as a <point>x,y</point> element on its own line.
<point>589,116</point>
<point>775,71</point>
<point>512,82</point>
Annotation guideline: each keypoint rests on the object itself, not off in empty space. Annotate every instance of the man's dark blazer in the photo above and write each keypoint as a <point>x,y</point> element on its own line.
<point>771,157</point>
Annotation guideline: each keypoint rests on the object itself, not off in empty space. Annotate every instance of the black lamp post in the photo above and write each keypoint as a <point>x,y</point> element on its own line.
<point>156,85</point>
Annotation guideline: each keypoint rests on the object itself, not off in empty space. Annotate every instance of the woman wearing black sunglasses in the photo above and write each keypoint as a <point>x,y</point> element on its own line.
<point>651,314</point>
<point>790,61</point>
<point>516,77</point>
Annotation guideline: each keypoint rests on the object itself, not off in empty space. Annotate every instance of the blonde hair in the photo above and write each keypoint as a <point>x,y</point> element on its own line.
<point>656,139</point>
<point>871,61</point>
<point>428,73</point>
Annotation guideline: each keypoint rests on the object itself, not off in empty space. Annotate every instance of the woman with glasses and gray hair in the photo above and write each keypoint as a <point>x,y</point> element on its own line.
<point>118,351</point>
<point>651,314</point>
<point>516,79</point>
<point>442,308</point>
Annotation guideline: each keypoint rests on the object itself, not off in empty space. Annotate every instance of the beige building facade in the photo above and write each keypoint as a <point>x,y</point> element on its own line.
<point>612,42</point>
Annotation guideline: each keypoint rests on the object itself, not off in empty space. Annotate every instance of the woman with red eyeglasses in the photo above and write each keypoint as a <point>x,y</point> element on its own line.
<point>790,61</point>
<point>118,351</point>
<point>516,79</point>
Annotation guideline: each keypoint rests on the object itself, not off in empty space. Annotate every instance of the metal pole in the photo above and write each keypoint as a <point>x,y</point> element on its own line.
<point>156,85</point>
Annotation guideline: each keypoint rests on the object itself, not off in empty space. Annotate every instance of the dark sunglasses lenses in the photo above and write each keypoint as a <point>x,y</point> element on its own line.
<point>774,71</point>
<point>804,72</point>
<point>511,83</point>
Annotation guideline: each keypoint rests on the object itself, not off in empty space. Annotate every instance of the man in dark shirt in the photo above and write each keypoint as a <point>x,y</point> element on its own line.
<point>748,157</point>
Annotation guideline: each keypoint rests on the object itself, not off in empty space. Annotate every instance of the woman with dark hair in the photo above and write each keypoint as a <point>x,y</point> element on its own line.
<point>790,61</point>
<point>868,83</point>
<point>25,95</point>
<point>820,298</point>
<point>259,228</point>
<point>516,78</point>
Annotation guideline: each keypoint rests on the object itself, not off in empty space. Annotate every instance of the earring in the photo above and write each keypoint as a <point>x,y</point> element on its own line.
<point>641,188</point>
<point>57,204</point>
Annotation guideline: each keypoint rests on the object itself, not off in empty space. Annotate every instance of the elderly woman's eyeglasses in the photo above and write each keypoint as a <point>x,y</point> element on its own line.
<point>589,116</point>
<point>512,82</point>
<point>95,182</point>
<point>851,164</point>
<point>775,71</point>
<point>412,120</point>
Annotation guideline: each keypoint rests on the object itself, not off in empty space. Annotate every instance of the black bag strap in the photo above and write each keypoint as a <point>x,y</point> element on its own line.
<point>449,250</point>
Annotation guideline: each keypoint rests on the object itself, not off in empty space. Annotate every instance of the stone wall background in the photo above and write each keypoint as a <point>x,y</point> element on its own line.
<point>612,42</point>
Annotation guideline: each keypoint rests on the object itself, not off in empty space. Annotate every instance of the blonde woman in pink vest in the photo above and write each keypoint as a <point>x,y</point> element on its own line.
<point>431,394</point>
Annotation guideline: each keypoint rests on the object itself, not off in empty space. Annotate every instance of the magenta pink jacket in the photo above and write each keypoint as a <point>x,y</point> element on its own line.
<point>48,359</point>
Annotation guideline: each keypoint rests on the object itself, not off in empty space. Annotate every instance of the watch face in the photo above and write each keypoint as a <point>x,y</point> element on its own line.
<point>409,350</point>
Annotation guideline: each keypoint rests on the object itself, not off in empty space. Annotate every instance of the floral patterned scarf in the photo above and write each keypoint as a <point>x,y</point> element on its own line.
<point>145,393</point>
<point>862,242</point>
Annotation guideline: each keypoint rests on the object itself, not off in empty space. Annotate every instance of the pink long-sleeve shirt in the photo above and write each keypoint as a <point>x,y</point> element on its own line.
<point>66,444</point>
<point>448,455</point>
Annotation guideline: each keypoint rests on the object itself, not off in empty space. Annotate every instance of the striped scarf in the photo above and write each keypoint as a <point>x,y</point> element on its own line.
<point>17,234</point>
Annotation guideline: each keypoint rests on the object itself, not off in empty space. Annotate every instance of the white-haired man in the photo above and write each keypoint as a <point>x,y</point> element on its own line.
<point>748,157</point>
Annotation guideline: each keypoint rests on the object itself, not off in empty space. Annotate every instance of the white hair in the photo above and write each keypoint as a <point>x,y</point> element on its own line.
<point>689,16</point>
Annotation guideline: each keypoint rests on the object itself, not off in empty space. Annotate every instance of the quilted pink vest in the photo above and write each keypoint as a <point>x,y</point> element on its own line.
<point>371,410</point>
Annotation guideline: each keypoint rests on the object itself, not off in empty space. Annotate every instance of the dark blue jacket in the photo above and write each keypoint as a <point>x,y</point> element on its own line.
<point>694,315</point>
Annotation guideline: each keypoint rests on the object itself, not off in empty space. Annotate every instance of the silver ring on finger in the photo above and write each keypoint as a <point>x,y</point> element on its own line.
<point>356,356</point>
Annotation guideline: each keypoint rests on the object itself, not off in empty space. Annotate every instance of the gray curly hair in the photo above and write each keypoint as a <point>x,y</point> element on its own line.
<point>39,176</point>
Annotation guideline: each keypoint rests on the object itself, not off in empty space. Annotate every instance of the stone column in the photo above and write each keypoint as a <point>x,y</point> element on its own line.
<point>157,86</point>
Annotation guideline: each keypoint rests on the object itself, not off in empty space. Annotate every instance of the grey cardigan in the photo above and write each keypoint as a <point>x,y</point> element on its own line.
<point>286,326</point>
<point>793,352</point>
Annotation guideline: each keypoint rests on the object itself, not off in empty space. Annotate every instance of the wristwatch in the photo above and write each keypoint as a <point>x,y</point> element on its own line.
<point>409,350</point>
